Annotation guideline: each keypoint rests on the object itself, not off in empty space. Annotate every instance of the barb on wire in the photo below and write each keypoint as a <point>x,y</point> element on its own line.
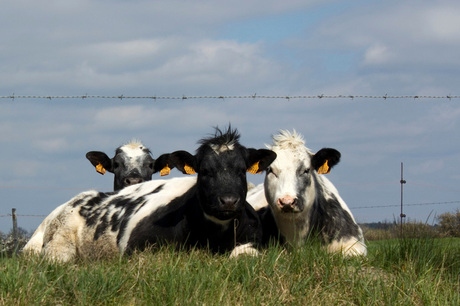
<point>10,215</point>
<point>122,97</point>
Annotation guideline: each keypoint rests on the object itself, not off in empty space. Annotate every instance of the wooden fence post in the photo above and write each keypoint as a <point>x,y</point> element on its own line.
<point>15,229</point>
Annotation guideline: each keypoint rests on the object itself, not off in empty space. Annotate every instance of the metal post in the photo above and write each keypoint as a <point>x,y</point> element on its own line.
<point>402,215</point>
<point>15,229</point>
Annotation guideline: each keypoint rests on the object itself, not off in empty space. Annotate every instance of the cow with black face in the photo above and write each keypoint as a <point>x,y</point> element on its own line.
<point>132,164</point>
<point>209,211</point>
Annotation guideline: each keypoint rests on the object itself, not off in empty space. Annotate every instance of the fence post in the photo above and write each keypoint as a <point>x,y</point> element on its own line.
<point>15,229</point>
<point>402,215</point>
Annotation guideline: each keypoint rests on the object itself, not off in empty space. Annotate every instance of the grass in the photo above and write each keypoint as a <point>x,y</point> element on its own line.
<point>407,272</point>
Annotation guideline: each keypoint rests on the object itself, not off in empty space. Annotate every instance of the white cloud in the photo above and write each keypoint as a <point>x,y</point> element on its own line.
<point>51,145</point>
<point>429,166</point>
<point>20,169</point>
<point>221,63</point>
<point>126,49</point>
<point>439,22</point>
<point>376,54</point>
<point>399,44</point>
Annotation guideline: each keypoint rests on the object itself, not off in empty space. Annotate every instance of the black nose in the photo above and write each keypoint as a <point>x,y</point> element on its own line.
<point>229,202</point>
<point>133,180</point>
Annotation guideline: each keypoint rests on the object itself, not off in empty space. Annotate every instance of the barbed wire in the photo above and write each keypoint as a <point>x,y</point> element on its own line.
<point>10,215</point>
<point>224,97</point>
<point>399,205</point>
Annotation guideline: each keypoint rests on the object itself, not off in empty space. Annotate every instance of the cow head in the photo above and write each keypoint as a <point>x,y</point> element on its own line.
<point>131,164</point>
<point>221,163</point>
<point>291,178</point>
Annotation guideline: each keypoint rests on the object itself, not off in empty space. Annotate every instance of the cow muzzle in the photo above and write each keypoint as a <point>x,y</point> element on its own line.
<point>229,202</point>
<point>288,204</point>
<point>132,181</point>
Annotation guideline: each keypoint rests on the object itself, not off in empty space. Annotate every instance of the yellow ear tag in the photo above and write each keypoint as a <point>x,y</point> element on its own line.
<point>189,170</point>
<point>254,168</point>
<point>100,169</point>
<point>324,168</point>
<point>165,171</point>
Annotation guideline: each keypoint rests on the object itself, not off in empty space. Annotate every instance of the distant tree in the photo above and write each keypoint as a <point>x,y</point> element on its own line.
<point>22,233</point>
<point>2,240</point>
<point>449,224</point>
<point>7,243</point>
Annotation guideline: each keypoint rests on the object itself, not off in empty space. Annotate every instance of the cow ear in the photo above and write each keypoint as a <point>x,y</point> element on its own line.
<point>325,159</point>
<point>162,164</point>
<point>259,160</point>
<point>183,161</point>
<point>100,161</point>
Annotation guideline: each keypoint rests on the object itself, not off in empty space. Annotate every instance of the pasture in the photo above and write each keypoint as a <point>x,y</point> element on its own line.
<point>408,271</point>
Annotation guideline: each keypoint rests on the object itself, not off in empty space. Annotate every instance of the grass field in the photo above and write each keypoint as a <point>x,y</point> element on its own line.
<point>395,272</point>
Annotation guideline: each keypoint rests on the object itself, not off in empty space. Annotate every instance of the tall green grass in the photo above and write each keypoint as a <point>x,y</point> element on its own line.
<point>407,271</point>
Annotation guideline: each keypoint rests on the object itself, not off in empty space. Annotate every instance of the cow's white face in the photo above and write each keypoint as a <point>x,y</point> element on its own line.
<point>293,185</point>
<point>288,183</point>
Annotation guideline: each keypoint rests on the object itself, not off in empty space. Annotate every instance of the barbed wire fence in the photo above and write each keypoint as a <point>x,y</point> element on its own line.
<point>255,96</point>
<point>14,97</point>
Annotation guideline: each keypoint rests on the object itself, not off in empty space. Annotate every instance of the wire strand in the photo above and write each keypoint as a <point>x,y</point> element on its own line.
<point>223,97</point>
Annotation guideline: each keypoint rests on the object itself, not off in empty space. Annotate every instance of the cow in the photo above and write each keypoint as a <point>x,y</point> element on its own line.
<point>132,164</point>
<point>297,201</point>
<point>208,210</point>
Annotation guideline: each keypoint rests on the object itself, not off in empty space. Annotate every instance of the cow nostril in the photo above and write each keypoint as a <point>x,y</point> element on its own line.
<point>287,201</point>
<point>133,180</point>
<point>229,201</point>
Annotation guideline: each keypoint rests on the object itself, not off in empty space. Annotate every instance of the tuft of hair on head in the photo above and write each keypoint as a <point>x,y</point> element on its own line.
<point>287,140</point>
<point>222,140</point>
<point>134,143</point>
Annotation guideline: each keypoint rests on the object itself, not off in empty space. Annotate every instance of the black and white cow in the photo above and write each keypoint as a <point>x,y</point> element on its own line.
<point>206,211</point>
<point>302,201</point>
<point>132,164</point>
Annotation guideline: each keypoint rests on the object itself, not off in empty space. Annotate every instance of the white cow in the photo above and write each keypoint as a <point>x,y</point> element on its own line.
<point>297,200</point>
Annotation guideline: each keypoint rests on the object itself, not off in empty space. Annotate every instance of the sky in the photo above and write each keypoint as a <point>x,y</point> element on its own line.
<point>232,48</point>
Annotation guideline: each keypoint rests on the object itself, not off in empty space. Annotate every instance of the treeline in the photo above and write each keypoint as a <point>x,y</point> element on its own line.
<point>8,244</point>
<point>448,226</point>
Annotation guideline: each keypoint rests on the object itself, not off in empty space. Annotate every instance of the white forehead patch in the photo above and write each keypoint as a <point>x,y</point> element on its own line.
<point>293,142</point>
<point>135,144</point>
<point>287,140</point>
<point>223,148</point>
<point>134,149</point>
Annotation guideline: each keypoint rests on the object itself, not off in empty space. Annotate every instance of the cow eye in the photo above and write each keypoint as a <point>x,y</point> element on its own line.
<point>115,165</point>
<point>270,171</point>
<point>151,166</point>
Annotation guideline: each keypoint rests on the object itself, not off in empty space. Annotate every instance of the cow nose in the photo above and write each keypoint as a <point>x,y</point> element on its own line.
<point>229,201</point>
<point>287,202</point>
<point>133,180</point>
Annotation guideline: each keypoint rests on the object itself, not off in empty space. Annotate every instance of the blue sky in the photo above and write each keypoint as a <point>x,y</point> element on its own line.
<point>222,48</point>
